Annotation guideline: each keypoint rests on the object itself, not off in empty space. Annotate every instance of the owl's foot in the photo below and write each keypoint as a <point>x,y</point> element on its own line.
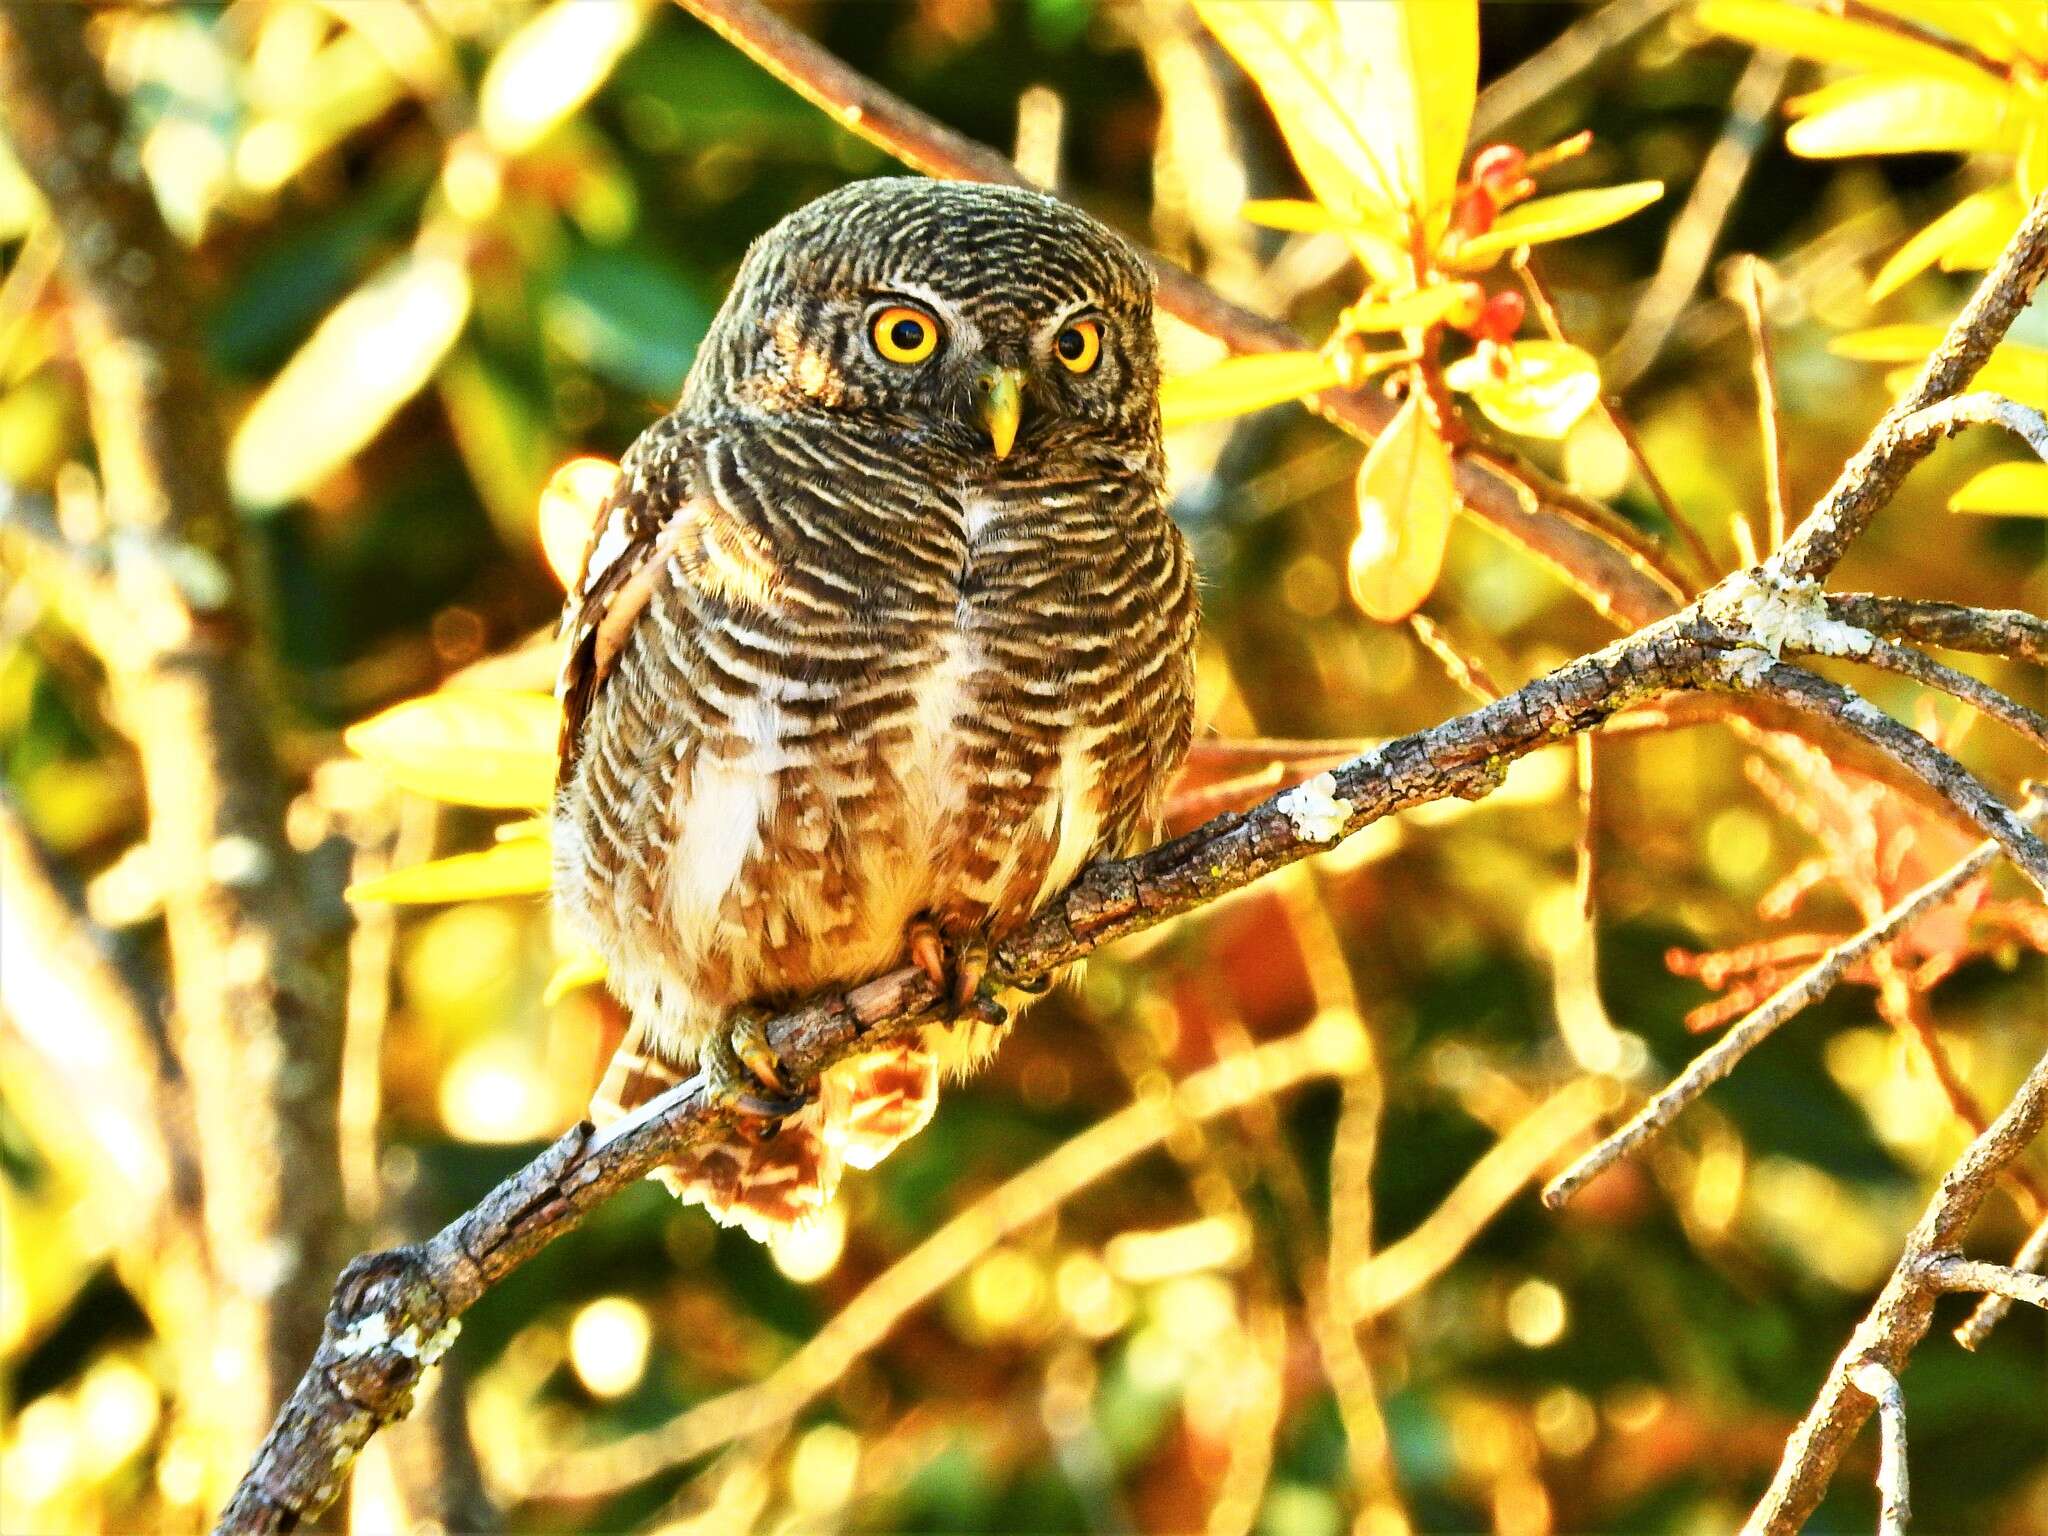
<point>744,1073</point>
<point>956,967</point>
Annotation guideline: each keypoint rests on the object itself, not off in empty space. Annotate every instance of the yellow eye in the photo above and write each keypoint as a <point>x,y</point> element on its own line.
<point>1079,345</point>
<point>905,335</point>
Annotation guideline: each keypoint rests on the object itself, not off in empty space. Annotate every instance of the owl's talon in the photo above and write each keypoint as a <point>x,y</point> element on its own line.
<point>739,1062</point>
<point>927,950</point>
<point>983,1009</point>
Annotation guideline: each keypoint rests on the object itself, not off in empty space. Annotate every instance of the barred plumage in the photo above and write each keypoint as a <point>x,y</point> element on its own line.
<point>844,658</point>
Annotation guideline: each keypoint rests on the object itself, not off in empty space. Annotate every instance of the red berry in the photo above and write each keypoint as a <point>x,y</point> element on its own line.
<point>1473,216</point>
<point>1501,317</point>
<point>1498,168</point>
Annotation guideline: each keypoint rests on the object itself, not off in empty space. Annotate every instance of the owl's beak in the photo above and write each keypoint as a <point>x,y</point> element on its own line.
<point>1001,395</point>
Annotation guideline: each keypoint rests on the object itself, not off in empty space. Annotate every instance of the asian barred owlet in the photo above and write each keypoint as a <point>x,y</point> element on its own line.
<point>881,636</point>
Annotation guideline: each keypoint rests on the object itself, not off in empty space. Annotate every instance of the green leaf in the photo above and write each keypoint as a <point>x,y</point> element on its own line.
<point>1831,39</point>
<point>551,66</point>
<point>1541,388</point>
<point>2005,490</point>
<point>467,746</point>
<point>1240,384</point>
<point>1900,115</point>
<point>1558,218</point>
<point>1406,495</point>
<point>522,867</point>
<point>365,360</point>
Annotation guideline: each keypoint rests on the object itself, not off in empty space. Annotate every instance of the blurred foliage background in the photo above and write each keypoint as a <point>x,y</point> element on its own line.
<point>445,245</point>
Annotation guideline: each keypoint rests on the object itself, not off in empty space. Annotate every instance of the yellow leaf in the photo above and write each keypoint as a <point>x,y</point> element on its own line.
<point>1831,39</point>
<point>366,359</point>
<point>569,506</point>
<point>1411,311</point>
<point>1406,496</point>
<point>1293,53</point>
<point>1374,100</point>
<point>469,746</point>
<point>551,66</point>
<point>1558,218</point>
<point>2011,490</point>
<point>1998,29</point>
<point>1900,115</point>
<point>1241,384</point>
<point>519,868</point>
<point>2013,370</point>
<point>1887,343</point>
<point>1932,244</point>
<point>1985,239</point>
<point>1295,215</point>
<point>1380,246</point>
<point>1417,64</point>
<point>1543,390</point>
<point>573,971</point>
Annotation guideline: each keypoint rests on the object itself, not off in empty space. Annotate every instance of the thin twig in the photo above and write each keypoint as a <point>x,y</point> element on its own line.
<point>1899,1318</point>
<point>1464,669</point>
<point>1952,1272</point>
<point>1624,427</point>
<point>2031,1259</point>
<point>2009,632</point>
<point>1558,63</point>
<point>1922,668</point>
<point>1871,477</point>
<point>1882,1387</point>
<point>1697,229</point>
<point>1804,990</point>
<point>1749,290</point>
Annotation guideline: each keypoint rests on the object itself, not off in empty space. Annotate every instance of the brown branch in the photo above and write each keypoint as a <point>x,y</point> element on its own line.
<point>1750,292</point>
<point>1869,479</point>
<point>252,1026</point>
<point>2031,1259</point>
<point>1613,580</point>
<point>1895,1509</point>
<point>1981,696</point>
<point>1560,62</point>
<point>1899,1318</point>
<point>2011,632</point>
<point>1952,1272</point>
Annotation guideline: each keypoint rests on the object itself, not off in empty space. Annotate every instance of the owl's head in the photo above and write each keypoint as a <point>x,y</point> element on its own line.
<point>988,324</point>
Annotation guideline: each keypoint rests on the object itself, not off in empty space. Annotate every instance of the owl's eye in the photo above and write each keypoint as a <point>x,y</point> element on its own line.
<point>1079,345</point>
<point>905,335</point>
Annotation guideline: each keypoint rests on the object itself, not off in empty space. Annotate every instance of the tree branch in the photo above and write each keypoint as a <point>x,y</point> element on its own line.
<point>2011,632</point>
<point>253,1028</point>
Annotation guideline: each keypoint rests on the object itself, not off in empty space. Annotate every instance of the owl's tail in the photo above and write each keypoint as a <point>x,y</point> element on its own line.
<point>866,1107</point>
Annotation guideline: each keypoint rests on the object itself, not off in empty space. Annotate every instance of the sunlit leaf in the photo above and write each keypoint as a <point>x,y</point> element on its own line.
<point>1406,495</point>
<point>1559,218</point>
<point>1541,388</point>
<point>1292,51</point>
<point>1897,115</point>
<point>365,360</point>
<point>551,66</point>
<point>469,746</point>
<point>1422,308</point>
<point>568,511</point>
<point>1374,100</point>
<point>572,971</point>
<point>1998,29</point>
<point>1831,39</point>
<point>2013,370</point>
<point>1419,63</point>
<point>1984,240</point>
<point>1294,214</point>
<point>2011,490</point>
<point>519,868</point>
<point>1932,244</point>
<point>1240,384</point>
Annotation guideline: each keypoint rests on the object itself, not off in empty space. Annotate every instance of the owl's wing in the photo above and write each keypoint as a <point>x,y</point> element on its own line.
<point>650,507</point>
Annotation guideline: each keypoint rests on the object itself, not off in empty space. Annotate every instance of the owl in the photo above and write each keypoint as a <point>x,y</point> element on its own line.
<point>882,634</point>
